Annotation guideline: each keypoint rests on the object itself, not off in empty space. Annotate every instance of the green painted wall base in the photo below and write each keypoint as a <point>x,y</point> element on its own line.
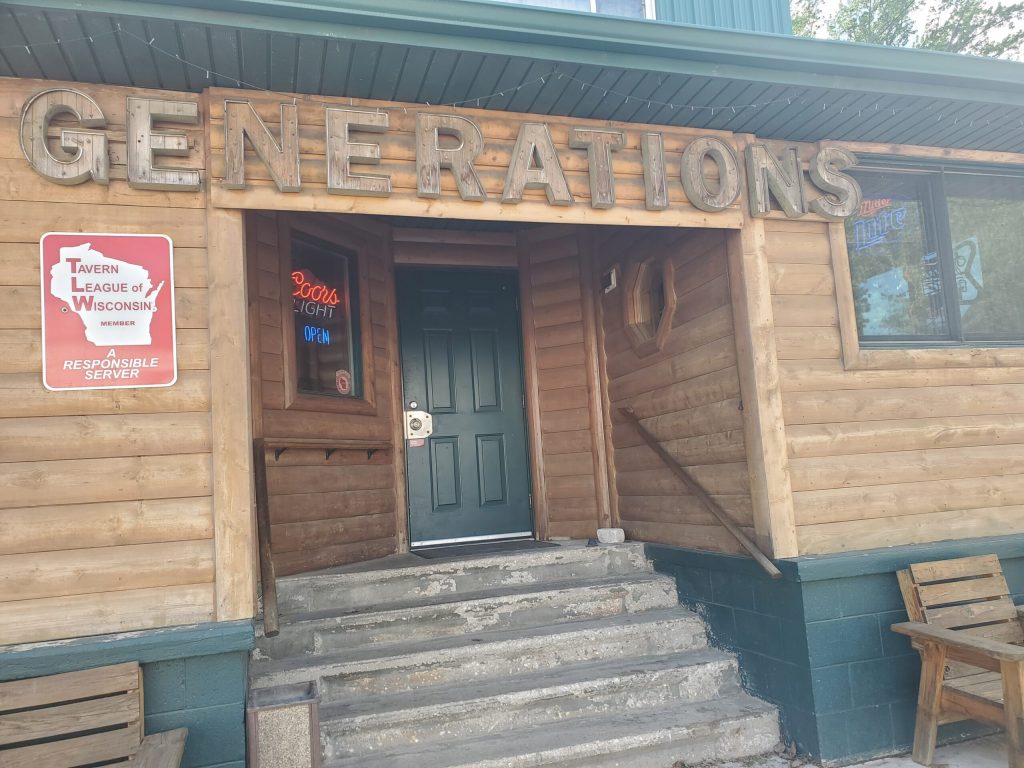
<point>817,642</point>
<point>194,677</point>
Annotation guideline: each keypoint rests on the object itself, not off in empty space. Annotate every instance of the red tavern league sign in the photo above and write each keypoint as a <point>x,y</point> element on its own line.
<point>108,311</point>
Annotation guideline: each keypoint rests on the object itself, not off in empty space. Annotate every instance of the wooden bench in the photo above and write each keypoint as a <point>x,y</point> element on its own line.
<point>970,637</point>
<point>82,718</point>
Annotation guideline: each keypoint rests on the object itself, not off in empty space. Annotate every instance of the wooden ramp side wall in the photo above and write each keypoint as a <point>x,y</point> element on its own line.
<point>106,514</point>
<point>556,334</point>
<point>878,458</point>
<point>325,511</point>
<point>687,395</point>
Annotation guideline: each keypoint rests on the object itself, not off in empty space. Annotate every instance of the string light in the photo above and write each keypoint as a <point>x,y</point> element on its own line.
<point>541,81</point>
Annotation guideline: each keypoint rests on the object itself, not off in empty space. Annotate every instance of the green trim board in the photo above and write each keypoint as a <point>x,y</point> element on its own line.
<point>817,642</point>
<point>195,677</point>
<point>148,646</point>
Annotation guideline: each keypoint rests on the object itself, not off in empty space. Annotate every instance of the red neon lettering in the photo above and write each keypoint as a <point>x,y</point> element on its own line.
<point>870,206</point>
<point>308,287</point>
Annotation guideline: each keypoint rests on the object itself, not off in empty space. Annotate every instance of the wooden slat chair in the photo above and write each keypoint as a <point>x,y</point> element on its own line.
<point>969,634</point>
<point>82,718</point>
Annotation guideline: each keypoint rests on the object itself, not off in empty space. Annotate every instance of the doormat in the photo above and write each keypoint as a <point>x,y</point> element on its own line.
<point>483,548</point>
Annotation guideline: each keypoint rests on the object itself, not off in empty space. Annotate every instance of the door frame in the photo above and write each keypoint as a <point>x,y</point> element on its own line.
<point>529,394</point>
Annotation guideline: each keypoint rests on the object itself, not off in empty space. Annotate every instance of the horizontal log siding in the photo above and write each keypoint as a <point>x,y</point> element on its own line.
<point>106,514</point>
<point>687,395</point>
<point>885,457</point>
<point>563,395</point>
<point>330,511</point>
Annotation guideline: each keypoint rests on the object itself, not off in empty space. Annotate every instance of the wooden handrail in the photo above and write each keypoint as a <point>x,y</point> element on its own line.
<point>697,490</point>
<point>271,623</point>
<point>260,446</point>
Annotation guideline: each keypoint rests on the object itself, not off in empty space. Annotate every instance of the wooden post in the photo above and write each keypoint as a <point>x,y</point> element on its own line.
<point>608,448</point>
<point>757,360</point>
<point>268,578</point>
<point>929,703</point>
<point>532,390</point>
<point>595,379</point>
<point>1013,705</point>
<point>231,416</point>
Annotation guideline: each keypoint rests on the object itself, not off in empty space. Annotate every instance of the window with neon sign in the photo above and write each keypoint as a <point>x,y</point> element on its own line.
<point>325,311</point>
<point>935,256</point>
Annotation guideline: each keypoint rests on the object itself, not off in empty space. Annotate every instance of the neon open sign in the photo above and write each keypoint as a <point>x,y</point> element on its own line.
<point>313,333</point>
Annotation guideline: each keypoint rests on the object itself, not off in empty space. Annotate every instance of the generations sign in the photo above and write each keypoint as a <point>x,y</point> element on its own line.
<point>406,151</point>
<point>108,311</point>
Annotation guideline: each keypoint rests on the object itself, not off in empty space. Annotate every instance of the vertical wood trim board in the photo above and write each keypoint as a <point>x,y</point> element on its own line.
<point>765,429</point>
<point>533,426</point>
<point>595,385</point>
<point>397,409</point>
<point>231,417</point>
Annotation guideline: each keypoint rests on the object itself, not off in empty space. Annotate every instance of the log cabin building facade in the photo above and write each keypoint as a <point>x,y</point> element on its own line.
<point>424,254</point>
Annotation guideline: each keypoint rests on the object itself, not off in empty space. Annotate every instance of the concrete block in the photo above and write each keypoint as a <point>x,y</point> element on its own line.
<point>215,734</point>
<point>164,686</point>
<point>843,640</point>
<point>832,689</point>
<point>611,535</point>
<point>219,679</point>
<point>885,680</point>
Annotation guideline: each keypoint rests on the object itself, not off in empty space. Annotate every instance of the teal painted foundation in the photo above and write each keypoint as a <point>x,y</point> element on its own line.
<point>194,677</point>
<point>817,641</point>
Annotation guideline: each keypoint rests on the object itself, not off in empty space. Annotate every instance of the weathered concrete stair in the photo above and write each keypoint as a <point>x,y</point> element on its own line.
<point>569,656</point>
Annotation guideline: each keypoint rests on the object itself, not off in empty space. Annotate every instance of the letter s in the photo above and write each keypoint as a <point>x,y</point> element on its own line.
<point>843,194</point>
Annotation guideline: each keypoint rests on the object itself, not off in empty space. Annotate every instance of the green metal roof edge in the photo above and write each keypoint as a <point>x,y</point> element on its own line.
<point>583,38</point>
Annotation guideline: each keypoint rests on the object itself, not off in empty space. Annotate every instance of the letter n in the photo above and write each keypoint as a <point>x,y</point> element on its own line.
<point>281,159</point>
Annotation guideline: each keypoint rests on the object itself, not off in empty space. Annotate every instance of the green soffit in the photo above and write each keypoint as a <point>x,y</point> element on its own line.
<point>477,51</point>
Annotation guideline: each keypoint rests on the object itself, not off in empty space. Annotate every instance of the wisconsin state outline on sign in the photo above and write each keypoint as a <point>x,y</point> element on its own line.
<point>115,300</point>
<point>108,310</point>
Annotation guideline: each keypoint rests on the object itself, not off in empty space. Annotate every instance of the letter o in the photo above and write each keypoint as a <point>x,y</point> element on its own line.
<point>696,185</point>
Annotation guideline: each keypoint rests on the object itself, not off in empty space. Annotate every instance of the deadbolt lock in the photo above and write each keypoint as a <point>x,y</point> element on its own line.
<point>418,425</point>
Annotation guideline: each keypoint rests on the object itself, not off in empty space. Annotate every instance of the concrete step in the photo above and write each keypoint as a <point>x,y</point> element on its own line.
<point>497,654</point>
<point>371,724</point>
<point>462,612</point>
<point>732,727</point>
<point>362,587</point>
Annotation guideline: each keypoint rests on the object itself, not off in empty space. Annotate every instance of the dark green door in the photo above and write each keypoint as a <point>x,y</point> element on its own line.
<point>461,362</point>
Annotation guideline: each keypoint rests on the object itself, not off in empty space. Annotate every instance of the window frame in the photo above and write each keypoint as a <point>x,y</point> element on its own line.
<point>937,222</point>
<point>903,357</point>
<point>646,341</point>
<point>358,245</point>
<point>650,9</point>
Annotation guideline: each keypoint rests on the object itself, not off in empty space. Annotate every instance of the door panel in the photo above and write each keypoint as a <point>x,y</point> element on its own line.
<point>461,361</point>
